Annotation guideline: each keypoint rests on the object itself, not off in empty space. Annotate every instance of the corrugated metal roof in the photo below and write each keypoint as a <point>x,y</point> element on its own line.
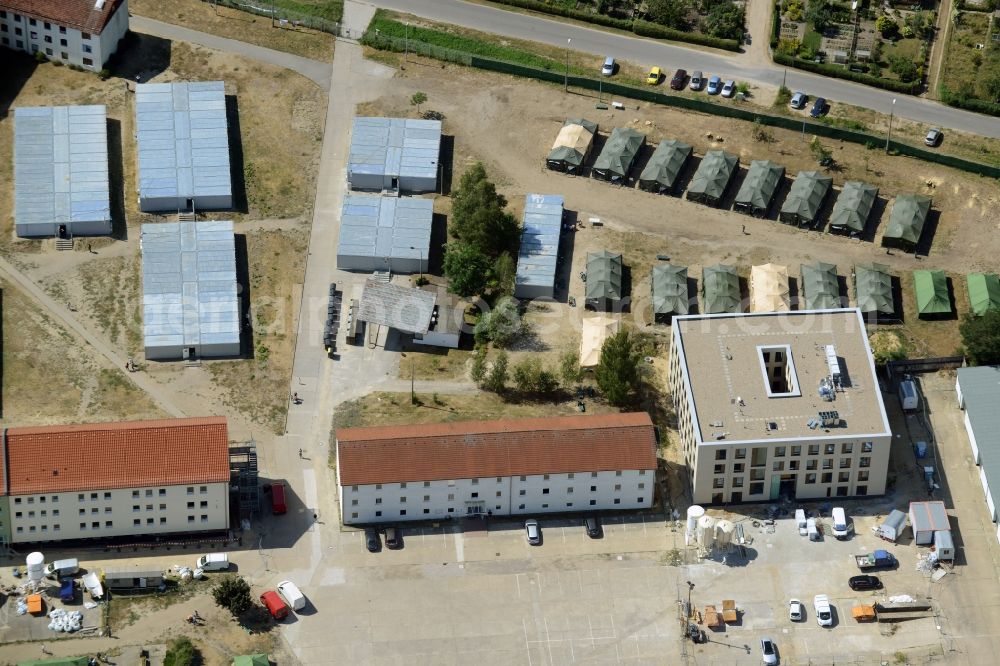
<point>385,227</point>
<point>61,165</point>
<point>926,516</point>
<point>189,284</point>
<point>395,147</point>
<point>536,259</point>
<point>183,139</point>
<point>981,393</point>
<point>401,308</point>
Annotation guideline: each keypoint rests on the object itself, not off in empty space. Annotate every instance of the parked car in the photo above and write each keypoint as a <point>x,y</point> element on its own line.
<point>594,530</point>
<point>864,583</point>
<point>796,613</point>
<point>533,531</point>
<point>799,100</point>
<point>680,78</point>
<point>654,77</point>
<point>729,88</point>
<point>819,107</point>
<point>824,614</point>
<point>768,651</point>
<point>274,604</point>
<point>393,538</point>
<point>609,66</point>
<point>714,85</point>
<point>697,80</point>
<point>291,595</point>
<point>933,138</point>
<point>372,540</point>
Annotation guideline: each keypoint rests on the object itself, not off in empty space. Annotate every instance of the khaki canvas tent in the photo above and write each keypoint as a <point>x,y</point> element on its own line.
<point>819,286</point>
<point>720,289</point>
<point>604,280</point>
<point>873,289</point>
<point>709,183</point>
<point>906,222</point>
<point>595,331</point>
<point>854,205</point>
<point>763,178</point>
<point>931,289</point>
<point>619,152</point>
<point>769,289</point>
<point>670,292</point>
<point>664,168</point>
<point>805,199</point>
<point>984,292</point>
<point>572,146</point>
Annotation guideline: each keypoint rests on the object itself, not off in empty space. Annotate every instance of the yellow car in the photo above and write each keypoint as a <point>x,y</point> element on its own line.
<point>654,76</point>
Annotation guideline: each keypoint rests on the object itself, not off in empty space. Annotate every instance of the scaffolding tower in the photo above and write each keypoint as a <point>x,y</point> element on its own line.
<point>243,477</point>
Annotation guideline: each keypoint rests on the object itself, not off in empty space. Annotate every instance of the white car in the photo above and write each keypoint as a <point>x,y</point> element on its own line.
<point>729,88</point>
<point>824,614</point>
<point>795,610</point>
<point>768,651</point>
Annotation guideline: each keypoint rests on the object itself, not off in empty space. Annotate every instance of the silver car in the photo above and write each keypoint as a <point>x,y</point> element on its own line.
<point>533,532</point>
<point>799,100</point>
<point>609,66</point>
<point>697,80</point>
<point>933,137</point>
<point>768,651</point>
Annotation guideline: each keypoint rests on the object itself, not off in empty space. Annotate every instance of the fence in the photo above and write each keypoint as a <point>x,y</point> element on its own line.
<point>278,13</point>
<point>895,369</point>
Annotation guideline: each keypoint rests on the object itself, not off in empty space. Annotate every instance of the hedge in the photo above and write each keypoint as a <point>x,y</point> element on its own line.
<point>912,88</point>
<point>556,10</point>
<point>647,29</point>
<point>970,103</point>
<point>775,26</point>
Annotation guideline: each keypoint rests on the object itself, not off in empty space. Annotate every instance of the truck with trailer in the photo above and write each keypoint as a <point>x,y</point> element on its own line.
<point>879,559</point>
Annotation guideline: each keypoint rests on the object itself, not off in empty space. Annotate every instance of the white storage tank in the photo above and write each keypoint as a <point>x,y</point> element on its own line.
<point>706,531</point>
<point>724,533</point>
<point>694,513</point>
<point>35,562</point>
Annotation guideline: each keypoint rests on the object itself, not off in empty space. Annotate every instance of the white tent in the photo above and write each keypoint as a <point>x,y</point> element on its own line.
<point>595,331</point>
<point>769,288</point>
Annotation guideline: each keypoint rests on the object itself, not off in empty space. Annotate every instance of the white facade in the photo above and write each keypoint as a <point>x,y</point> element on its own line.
<point>24,32</point>
<point>103,514</point>
<point>497,496</point>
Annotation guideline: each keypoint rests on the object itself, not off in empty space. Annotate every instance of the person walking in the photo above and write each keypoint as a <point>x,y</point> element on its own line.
<point>300,453</point>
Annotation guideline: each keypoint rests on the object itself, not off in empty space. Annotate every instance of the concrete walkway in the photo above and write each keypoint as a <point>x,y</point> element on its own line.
<point>318,72</point>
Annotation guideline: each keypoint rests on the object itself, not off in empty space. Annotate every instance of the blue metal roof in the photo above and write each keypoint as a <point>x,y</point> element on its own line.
<point>393,227</point>
<point>395,147</point>
<point>536,259</point>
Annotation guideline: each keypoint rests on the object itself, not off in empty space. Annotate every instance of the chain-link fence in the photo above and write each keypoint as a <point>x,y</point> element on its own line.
<point>281,15</point>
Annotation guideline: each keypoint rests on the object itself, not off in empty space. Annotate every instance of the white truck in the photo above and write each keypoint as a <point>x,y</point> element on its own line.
<point>62,568</point>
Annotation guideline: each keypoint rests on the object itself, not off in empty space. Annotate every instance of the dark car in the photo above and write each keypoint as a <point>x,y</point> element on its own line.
<point>372,540</point>
<point>393,538</point>
<point>865,583</point>
<point>594,530</point>
<point>677,83</point>
<point>819,107</point>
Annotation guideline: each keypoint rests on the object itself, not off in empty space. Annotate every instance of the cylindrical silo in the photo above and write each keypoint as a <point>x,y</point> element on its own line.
<point>694,512</point>
<point>724,533</point>
<point>706,531</point>
<point>35,563</point>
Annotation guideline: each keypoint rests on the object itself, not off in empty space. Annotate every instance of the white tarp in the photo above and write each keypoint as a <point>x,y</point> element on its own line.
<point>595,331</point>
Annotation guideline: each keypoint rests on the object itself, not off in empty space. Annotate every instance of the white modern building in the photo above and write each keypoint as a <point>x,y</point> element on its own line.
<point>500,468</point>
<point>978,390</point>
<point>385,234</point>
<point>105,480</point>
<point>774,404</point>
<point>538,256</point>
<point>394,154</point>
<point>74,32</point>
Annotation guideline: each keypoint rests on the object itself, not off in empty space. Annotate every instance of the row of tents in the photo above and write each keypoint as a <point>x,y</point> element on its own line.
<point>802,207</point>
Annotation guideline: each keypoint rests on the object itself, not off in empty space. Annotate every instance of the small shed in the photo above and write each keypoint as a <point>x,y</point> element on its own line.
<point>984,292</point>
<point>604,281</point>
<point>537,258</point>
<point>447,320</point>
<point>394,154</point>
<point>385,234</point>
<point>402,308</point>
<point>931,290</point>
<point>873,289</point>
<point>572,145</point>
<point>720,289</point>
<point>123,578</point>
<point>853,206</point>
<point>615,160</point>
<point>769,288</point>
<point>805,199</point>
<point>595,330</point>
<point>944,546</point>
<point>709,183</point>
<point>926,518</point>
<point>819,286</point>
<point>665,166</point>
<point>670,292</point>
<point>893,525</point>
<point>758,188</point>
<point>906,222</point>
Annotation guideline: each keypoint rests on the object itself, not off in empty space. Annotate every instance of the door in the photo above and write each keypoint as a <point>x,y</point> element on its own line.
<point>395,184</point>
<point>775,486</point>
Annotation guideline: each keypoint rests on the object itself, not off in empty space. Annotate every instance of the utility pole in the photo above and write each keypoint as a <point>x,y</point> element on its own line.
<point>272,13</point>
<point>892,110</point>
<point>406,44</point>
<point>566,77</point>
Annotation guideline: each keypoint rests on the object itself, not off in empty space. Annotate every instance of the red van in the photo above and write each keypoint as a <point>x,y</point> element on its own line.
<point>274,605</point>
<point>278,506</point>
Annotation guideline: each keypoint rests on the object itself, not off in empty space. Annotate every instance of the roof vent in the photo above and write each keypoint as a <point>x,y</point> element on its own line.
<point>830,419</point>
<point>99,5</point>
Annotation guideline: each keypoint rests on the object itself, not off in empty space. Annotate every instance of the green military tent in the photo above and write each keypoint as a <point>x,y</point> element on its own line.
<point>56,661</point>
<point>619,152</point>
<point>805,199</point>
<point>604,280</point>
<point>664,167</point>
<point>670,291</point>
<point>850,213</point>
<point>873,289</point>
<point>758,188</point>
<point>709,183</point>
<point>572,145</point>
<point>251,660</point>
<point>931,289</point>
<point>720,289</point>
<point>906,222</point>
<point>819,286</point>
<point>984,292</point>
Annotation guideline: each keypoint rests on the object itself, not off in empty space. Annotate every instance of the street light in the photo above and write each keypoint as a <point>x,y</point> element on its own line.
<point>406,44</point>
<point>420,266</point>
<point>566,77</point>
<point>892,110</point>
<point>690,587</point>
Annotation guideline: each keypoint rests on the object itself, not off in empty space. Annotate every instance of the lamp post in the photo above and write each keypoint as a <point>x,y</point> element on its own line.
<point>888,136</point>
<point>566,77</point>
<point>420,266</point>
<point>406,44</point>
<point>690,587</point>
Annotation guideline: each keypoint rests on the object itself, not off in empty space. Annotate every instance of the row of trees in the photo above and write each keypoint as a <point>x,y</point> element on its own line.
<point>723,18</point>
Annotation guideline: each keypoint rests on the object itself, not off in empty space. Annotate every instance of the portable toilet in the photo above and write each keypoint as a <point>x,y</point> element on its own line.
<point>920,449</point>
<point>944,546</point>
<point>800,521</point>
<point>812,529</point>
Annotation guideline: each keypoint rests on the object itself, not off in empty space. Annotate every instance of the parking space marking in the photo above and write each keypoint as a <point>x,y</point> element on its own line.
<point>459,547</point>
<point>527,643</point>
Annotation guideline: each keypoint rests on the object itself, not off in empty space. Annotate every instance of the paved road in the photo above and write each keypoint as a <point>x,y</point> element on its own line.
<point>649,52</point>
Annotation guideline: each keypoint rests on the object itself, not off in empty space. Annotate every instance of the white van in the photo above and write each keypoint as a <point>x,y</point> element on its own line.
<point>812,529</point>
<point>840,530</point>
<point>62,568</point>
<point>213,562</point>
<point>800,521</point>
<point>290,592</point>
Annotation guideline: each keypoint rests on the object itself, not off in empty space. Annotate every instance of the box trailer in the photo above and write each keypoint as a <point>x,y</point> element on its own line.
<point>892,527</point>
<point>278,505</point>
<point>944,546</point>
<point>909,397</point>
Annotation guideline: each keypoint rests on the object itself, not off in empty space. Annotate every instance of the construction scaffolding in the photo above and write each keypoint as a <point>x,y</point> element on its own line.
<point>243,478</point>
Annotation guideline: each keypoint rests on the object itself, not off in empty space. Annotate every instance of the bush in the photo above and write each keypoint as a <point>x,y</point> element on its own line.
<point>562,10</point>
<point>40,56</point>
<point>531,378</point>
<point>961,101</point>
<point>104,75</point>
<point>886,26</point>
<point>904,68</point>
<point>725,21</point>
<point>496,378</point>
<point>233,594</point>
<point>911,88</point>
<point>181,652</point>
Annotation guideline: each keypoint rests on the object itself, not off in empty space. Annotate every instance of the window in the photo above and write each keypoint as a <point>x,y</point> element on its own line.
<point>427,498</point>
<point>48,26</point>
<point>17,18</point>
<point>618,487</point>
<point>201,489</point>
<point>812,464</point>
<point>34,35</point>
<point>190,519</point>
<point>593,489</point>
<point>522,492</point>
<point>498,507</point>
<point>62,30</point>
<point>545,491</point>
<point>378,514</point>
<point>85,35</point>
<point>17,514</point>
<point>94,510</point>
<point>402,500</point>
<point>204,518</point>
<point>738,468</point>
<point>189,506</point>
<point>32,21</point>
<point>741,454</point>
<point>756,488</point>
<point>810,478</point>
<point>378,486</point>
<point>593,475</point>
<point>866,447</point>
<point>569,490</point>
<point>83,526</point>
<point>865,461</point>
<point>44,513</point>
<point>520,506</point>
<point>569,504</point>
<point>793,465</point>
<point>642,472</point>
<point>845,463</point>
<point>427,484</point>
<point>844,477</point>
<point>149,507</point>
<point>796,450</point>
<point>641,486</point>
<point>719,482</point>
<point>814,449</point>
<point>847,447</point>
<point>719,469</point>
<point>354,502</point>
<point>402,512</point>
<point>827,463</point>
<point>618,473</point>
<point>82,512</point>
<point>107,496</point>
<point>779,452</point>
<point>190,491</point>
<point>402,485</point>
<point>524,478</point>
<point>451,497</point>
<point>737,481</point>
<point>475,482</point>
<point>17,500</point>
<point>149,521</point>
<point>79,498</point>
<point>135,493</point>
<point>378,500</point>
<point>163,507</point>
<point>593,502</point>
<point>20,529</point>
<point>55,512</point>
<point>638,500</point>
<point>203,504</point>
<point>829,449</point>
<point>570,475</point>
<point>63,42</point>
<point>863,475</point>
<point>163,492</point>
<point>55,528</point>
<point>425,511</point>
<point>109,523</point>
<point>55,499</point>
<point>720,454</point>
<point>861,490</point>
<point>758,456</point>
<point>3,14</point>
<point>163,520</point>
<point>826,478</point>
<point>778,466</point>
<point>756,475</point>
<point>618,500</point>
<point>499,494</point>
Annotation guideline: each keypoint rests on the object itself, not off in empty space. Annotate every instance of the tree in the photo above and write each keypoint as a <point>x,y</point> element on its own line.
<point>531,378</point>
<point>478,216</point>
<point>181,652</point>
<point>671,13</point>
<point>818,13</point>
<point>819,151</point>
<point>233,593</point>
<point>886,26</point>
<point>981,338</point>
<point>617,372</point>
<point>466,268</point>
<point>991,87</point>
<point>503,274</point>
<point>478,372</point>
<point>725,21</point>
<point>502,324</point>
<point>903,67</point>
<point>496,379</point>
<point>569,368</point>
<point>418,99</point>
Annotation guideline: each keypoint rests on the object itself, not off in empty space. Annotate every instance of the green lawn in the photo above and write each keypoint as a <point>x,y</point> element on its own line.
<point>967,68</point>
<point>331,10</point>
<point>811,40</point>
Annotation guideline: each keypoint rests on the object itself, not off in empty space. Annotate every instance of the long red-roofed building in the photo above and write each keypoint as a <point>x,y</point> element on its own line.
<point>106,480</point>
<point>74,32</point>
<point>509,467</point>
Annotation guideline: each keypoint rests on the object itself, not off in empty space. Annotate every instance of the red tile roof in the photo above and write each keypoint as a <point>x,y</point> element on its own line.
<point>481,449</point>
<point>101,456</point>
<point>79,14</point>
